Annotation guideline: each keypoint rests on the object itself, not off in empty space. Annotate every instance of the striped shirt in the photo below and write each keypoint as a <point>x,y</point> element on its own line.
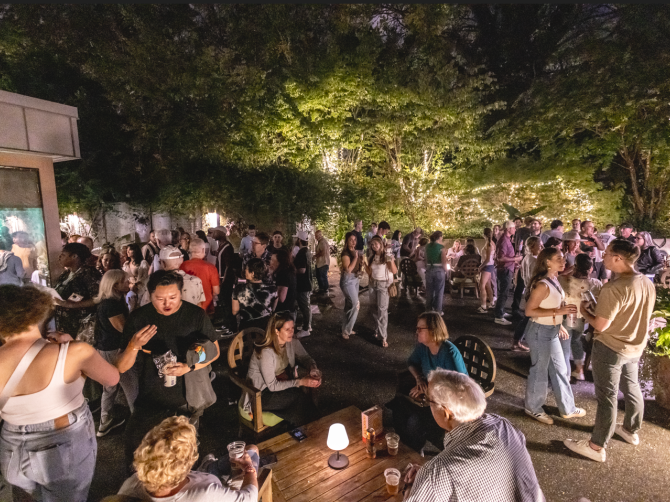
<point>483,460</point>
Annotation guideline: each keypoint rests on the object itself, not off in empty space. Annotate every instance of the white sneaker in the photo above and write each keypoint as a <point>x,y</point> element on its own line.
<point>579,412</point>
<point>482,310</point>
<point>502,321</point>
<point>507,316</point>
<point>628,437</point>
<point>302,334</point>
<point>583,448</point>
<point>541,417</point>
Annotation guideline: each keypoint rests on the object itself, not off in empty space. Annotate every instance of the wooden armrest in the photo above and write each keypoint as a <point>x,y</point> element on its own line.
<point>255,394</point>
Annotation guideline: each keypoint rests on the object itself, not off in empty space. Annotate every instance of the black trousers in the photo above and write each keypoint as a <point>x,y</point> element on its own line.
<point>518,295</point>
<point>415,425</point>
<point>293,405</point>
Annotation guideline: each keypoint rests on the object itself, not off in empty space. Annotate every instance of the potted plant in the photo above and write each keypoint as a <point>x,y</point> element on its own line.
<point>658,351</point>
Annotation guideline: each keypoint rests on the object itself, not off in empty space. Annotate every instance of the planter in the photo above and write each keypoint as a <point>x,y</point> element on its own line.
<point>661,378</point>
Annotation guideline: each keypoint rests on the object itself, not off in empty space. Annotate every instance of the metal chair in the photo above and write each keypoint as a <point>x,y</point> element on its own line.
<point>411,280</point>
<point>479,361</point>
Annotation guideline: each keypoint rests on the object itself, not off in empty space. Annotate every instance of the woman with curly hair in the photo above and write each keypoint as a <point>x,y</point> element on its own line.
<point>163,464</point>
<point>47,445</point>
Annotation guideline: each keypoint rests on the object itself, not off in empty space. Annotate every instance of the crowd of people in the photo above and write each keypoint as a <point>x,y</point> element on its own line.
<point>156,314</point>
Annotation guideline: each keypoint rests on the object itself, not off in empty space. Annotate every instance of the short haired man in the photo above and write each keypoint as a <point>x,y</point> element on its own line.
<point>88,242</point>
<point>410,242</point>
<point>621,322</point>
<point>259,249</point>
<point>192,291</point>
<point>522,233</point>
<point>165,324</point>
<point>245,243</point>
<point>303,274</point>
<point>358,231</point>
<point>322,261</point>
<point>626,232</point>
<point>576,225</point>
<point>370,234</point>
<point>484,456</point>
<point>206,272</point>
<point>556,230</point>
<point>591,239</point>
<point>277,242</point>
<point>382,230</point>
<point>506,261</point>
<point>163,239</point>
<point>150,249</point>
<point>599,271</point>
<point>608,235</point>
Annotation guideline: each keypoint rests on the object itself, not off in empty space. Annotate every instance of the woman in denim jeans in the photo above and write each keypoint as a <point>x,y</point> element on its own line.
<point>47,444</point>
<point>436,266</point>
<point>545,307</point>
<point>351,266</point>
<point>574,286</point>
<point>381,268</point>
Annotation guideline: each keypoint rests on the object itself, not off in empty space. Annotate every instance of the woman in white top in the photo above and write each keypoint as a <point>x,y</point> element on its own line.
<point>273,371</point>
<point>544,306</point>
<point>47,444</point>
<point>381,267</point>
<point>138,269</point>
<point>574,286</point>
<point>487,269</point>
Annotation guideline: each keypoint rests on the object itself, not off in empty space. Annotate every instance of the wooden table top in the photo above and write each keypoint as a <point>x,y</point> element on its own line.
<point>302,473</point>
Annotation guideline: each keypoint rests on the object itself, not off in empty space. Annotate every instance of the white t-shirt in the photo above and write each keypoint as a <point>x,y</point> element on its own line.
<point>192,291</point>
<point>201,487</point>
<point>245,245</point>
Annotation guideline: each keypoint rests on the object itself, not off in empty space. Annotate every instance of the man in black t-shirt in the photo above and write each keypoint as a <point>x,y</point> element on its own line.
<point>358,232</point>
<point>303,267</point>
<point>165,324</point>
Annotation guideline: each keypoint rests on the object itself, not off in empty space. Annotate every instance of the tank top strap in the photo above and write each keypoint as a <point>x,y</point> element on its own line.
<point>59,372</point>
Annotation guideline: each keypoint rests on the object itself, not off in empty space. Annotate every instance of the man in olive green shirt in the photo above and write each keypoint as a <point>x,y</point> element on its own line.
<point>621,322</point>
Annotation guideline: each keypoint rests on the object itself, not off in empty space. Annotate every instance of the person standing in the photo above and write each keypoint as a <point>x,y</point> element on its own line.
<point>165,324</point>
<point>410,243</point>
<point>544,305</point>
<point>486,270</point>
<point>436,268</point>
<point>522,233</point>
<point>370,234</point>
<point>111,317</point>
<point>621,321</point>
<point>380,266</point>
<point>164,239</point>
<point>351,266</point>
<point>206,272</point>
<point>651,260</point>
<point>192,290</point>
<point>506,260</point>
<point>358,232</point>
<point>575,285</point>
<point>47,444</point>
<point>285,279</point>
<point>150,249</point>
<point>303,267</point>
<point>277,242</point>
<point>11,266</point>
<point>246,242</point>
<point>555,230</point>
<point>224,265</point>
<point>259,249</point>
<point>322,263</point>
<point>626,232</point>
<point>576,225</point>
<point>533,248</point>
<point>608,235</point>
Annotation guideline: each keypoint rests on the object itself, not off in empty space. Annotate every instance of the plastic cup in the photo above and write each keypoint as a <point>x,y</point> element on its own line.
<point>236,449</point>
<point>392,441</point>
<point>392,481</point>
<point>315,374</point>
<point>169,380</point>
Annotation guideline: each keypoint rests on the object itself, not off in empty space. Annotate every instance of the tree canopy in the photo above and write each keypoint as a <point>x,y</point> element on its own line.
<point>333,112</point>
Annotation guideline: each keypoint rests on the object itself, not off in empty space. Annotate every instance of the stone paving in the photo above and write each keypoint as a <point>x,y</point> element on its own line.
<point>360,372</point>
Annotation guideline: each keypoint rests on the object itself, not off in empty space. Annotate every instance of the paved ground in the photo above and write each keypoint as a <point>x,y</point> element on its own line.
<point>360,372</point>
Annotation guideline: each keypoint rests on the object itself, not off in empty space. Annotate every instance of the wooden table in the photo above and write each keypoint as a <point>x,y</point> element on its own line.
<point>302,473</point>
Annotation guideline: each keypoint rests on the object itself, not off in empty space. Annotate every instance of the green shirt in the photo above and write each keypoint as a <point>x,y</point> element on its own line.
<point>433,253</point>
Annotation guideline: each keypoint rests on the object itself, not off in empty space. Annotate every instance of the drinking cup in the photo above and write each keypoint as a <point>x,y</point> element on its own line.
<point>315,374</point>
<point>392,481</point>
<point>236,449</point>
<point>392,441</point>
<point>169,380</point>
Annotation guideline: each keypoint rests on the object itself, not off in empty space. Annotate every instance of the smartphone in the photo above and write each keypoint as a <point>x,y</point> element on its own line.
<point>298,434</point>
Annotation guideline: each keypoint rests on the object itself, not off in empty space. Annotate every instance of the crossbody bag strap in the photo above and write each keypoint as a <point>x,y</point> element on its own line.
<point>20,371</point>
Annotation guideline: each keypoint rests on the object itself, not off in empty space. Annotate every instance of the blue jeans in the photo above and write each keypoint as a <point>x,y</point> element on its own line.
<point>51,465</point>
<point>434,288</point>
<point>504,282</point>
<point>379,301</point>
<point>573,345</point>
<point>611,370</point>
<point>306,309</point>
<point>547,362</point>
<point>322,278</point>
<point>349,286</point>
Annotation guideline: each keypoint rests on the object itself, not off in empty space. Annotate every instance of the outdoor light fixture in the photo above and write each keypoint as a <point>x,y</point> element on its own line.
<point>212,220</point>
<point>338,440</point>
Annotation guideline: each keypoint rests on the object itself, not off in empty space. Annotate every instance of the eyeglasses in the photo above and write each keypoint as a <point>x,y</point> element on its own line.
<point>256,243</point>
<point>419,328</point>
<point>427,400</point>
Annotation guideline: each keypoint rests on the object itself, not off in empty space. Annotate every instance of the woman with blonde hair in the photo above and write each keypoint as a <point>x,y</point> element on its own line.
<point>433,350</point>
<point>487,270</point>
<point>351,266</point>
<point>381,268</point>
<point>111,316</point>
<point>163,464</point>
<point>273,370</point>
<point>47,444</point>
<point>544,332</point>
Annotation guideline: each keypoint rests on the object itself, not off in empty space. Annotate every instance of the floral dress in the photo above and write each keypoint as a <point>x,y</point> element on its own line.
<point>83,283</point>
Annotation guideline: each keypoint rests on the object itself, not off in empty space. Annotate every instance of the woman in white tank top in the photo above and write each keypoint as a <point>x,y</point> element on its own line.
<point>47,443</point>
<point>545,307</point>
<point>380,266</point>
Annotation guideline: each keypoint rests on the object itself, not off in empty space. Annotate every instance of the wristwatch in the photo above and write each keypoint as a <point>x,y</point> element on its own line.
<point>191,368</point>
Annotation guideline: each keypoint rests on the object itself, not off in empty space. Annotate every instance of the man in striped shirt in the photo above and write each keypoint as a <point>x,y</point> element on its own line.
<point>484,457</point>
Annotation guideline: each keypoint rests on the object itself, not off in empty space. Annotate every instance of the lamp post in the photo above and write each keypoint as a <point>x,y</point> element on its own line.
<point>338,440</point>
